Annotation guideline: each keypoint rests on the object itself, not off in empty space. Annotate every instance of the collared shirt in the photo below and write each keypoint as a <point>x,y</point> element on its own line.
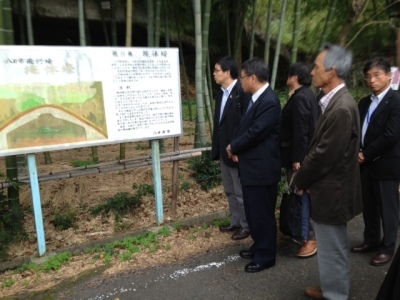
<point>225,95</point>
<point>256,95</point>
<point>375,100</point>
<point>324,102</point>
<point>259,92</point>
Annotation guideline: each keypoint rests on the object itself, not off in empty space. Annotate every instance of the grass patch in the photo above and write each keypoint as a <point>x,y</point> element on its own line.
<point>81,163</point>
<point>62,220</point>
<point>120,204</point>
<point>221,222</point>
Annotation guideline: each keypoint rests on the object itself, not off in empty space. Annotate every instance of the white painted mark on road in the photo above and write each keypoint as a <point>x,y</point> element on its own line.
<point>175,275</point>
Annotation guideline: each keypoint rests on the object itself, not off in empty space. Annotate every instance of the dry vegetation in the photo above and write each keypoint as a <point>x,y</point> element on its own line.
<point>80,193</point>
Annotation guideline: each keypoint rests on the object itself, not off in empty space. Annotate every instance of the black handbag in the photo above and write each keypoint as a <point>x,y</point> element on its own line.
<point>290,213</point>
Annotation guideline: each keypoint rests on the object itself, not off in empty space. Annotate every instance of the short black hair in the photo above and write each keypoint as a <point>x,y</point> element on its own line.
<point>258,67</point>
<point>228,63</point>
<point>302,71</point>
<point>379,63</point>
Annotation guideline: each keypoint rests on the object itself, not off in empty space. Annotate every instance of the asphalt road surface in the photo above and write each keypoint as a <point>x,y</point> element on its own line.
<point>220,275</point>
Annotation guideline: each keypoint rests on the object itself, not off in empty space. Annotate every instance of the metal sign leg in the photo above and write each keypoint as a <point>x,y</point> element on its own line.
<point>37,205</point>
<point>155,152</point>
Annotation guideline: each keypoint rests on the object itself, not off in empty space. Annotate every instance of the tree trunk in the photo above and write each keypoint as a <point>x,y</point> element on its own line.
<point>103,23</point>
<point>241,10</point>
<point>82,32</point>
<point>166,24</point>
<point>128,43</point>
<point>209,77</point>
<point>29,22</point>
<point>150,23</point>
<point>200,136</point>
<point>328,22</point>
<point>296,31</point>
<point>357,9</point>
<point>21,23</point>
<point>182,61</point>
<point>83,43</point>
<point>157,24</point>
<point>16,225</point>
<point>228,28</point>
<point>205,35</point>
<point>268,33</point>
<point>253,26</point>
<point>114,33</point>
<point>278,44</point>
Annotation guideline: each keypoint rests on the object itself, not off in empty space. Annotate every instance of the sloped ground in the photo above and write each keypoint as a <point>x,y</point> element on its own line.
<point>78,195</point>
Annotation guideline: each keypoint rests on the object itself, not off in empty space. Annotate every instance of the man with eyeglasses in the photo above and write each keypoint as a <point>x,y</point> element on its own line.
<point>255,147</point>
<point>229,105</point>
<point>379,159</point>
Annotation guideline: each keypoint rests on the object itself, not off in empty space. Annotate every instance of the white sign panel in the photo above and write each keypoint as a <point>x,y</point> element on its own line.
<point>395,80</point>
<point>55,98</point>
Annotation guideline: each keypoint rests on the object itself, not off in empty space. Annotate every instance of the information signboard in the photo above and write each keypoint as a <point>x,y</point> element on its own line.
<point>55,98</point>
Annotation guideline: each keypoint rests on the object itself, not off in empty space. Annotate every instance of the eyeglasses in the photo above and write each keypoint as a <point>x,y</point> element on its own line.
<point>375,75</point>
<point>217,70</point>
<point>241,77</point>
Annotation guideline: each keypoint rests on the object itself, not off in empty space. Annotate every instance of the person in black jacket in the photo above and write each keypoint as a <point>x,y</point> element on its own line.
<point>379,159</point>
<point>228,110</point>
<point>299,118</point>
<point>255,146</point>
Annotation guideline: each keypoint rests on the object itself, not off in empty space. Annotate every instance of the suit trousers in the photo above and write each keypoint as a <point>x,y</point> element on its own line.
<point>380,206</point>
<point>233,191</point>
<point>259,205</point>
<point>332,255</point>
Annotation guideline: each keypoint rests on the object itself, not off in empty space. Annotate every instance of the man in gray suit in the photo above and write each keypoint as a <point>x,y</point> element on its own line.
<point>229,106</point>
<point>330,172</point>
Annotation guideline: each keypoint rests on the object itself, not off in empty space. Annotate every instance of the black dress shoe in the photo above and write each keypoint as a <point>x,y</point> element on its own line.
<point>254,267</point>
<point>240,235</point>
<point>362,248</point>
<point>246,254</point>
<point>229,228</point>
<point>381,259</point>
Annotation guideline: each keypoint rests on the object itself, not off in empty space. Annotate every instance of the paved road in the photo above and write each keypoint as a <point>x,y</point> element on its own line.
<point>220,275</point>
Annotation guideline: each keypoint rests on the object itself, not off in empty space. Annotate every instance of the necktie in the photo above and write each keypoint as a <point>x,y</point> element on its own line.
<point>371,109</point>
<point>250,105</point>
<point>224,100</point>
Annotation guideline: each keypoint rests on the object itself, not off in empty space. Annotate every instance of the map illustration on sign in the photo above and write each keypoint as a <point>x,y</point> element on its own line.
<point>44,114</point>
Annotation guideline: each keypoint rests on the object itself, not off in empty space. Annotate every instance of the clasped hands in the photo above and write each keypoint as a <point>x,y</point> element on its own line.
<point>361,158</point>
<point>234,157</point>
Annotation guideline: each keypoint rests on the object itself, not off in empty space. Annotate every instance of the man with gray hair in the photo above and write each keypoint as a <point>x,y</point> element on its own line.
<point>330,172</point>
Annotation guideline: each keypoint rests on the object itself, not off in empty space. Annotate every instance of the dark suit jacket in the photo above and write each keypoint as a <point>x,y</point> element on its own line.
<point>330,169</point>
<point>299,118</point>
<point>256,142</point>
<point>223,130</point>
<point>382,140</point>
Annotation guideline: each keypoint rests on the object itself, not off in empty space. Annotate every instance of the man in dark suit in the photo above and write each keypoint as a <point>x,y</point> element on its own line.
<point>256,148</point>
<point>299,117</point>
<point>330,172</point>
<point>379,159</point>
<point>228,110</point>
